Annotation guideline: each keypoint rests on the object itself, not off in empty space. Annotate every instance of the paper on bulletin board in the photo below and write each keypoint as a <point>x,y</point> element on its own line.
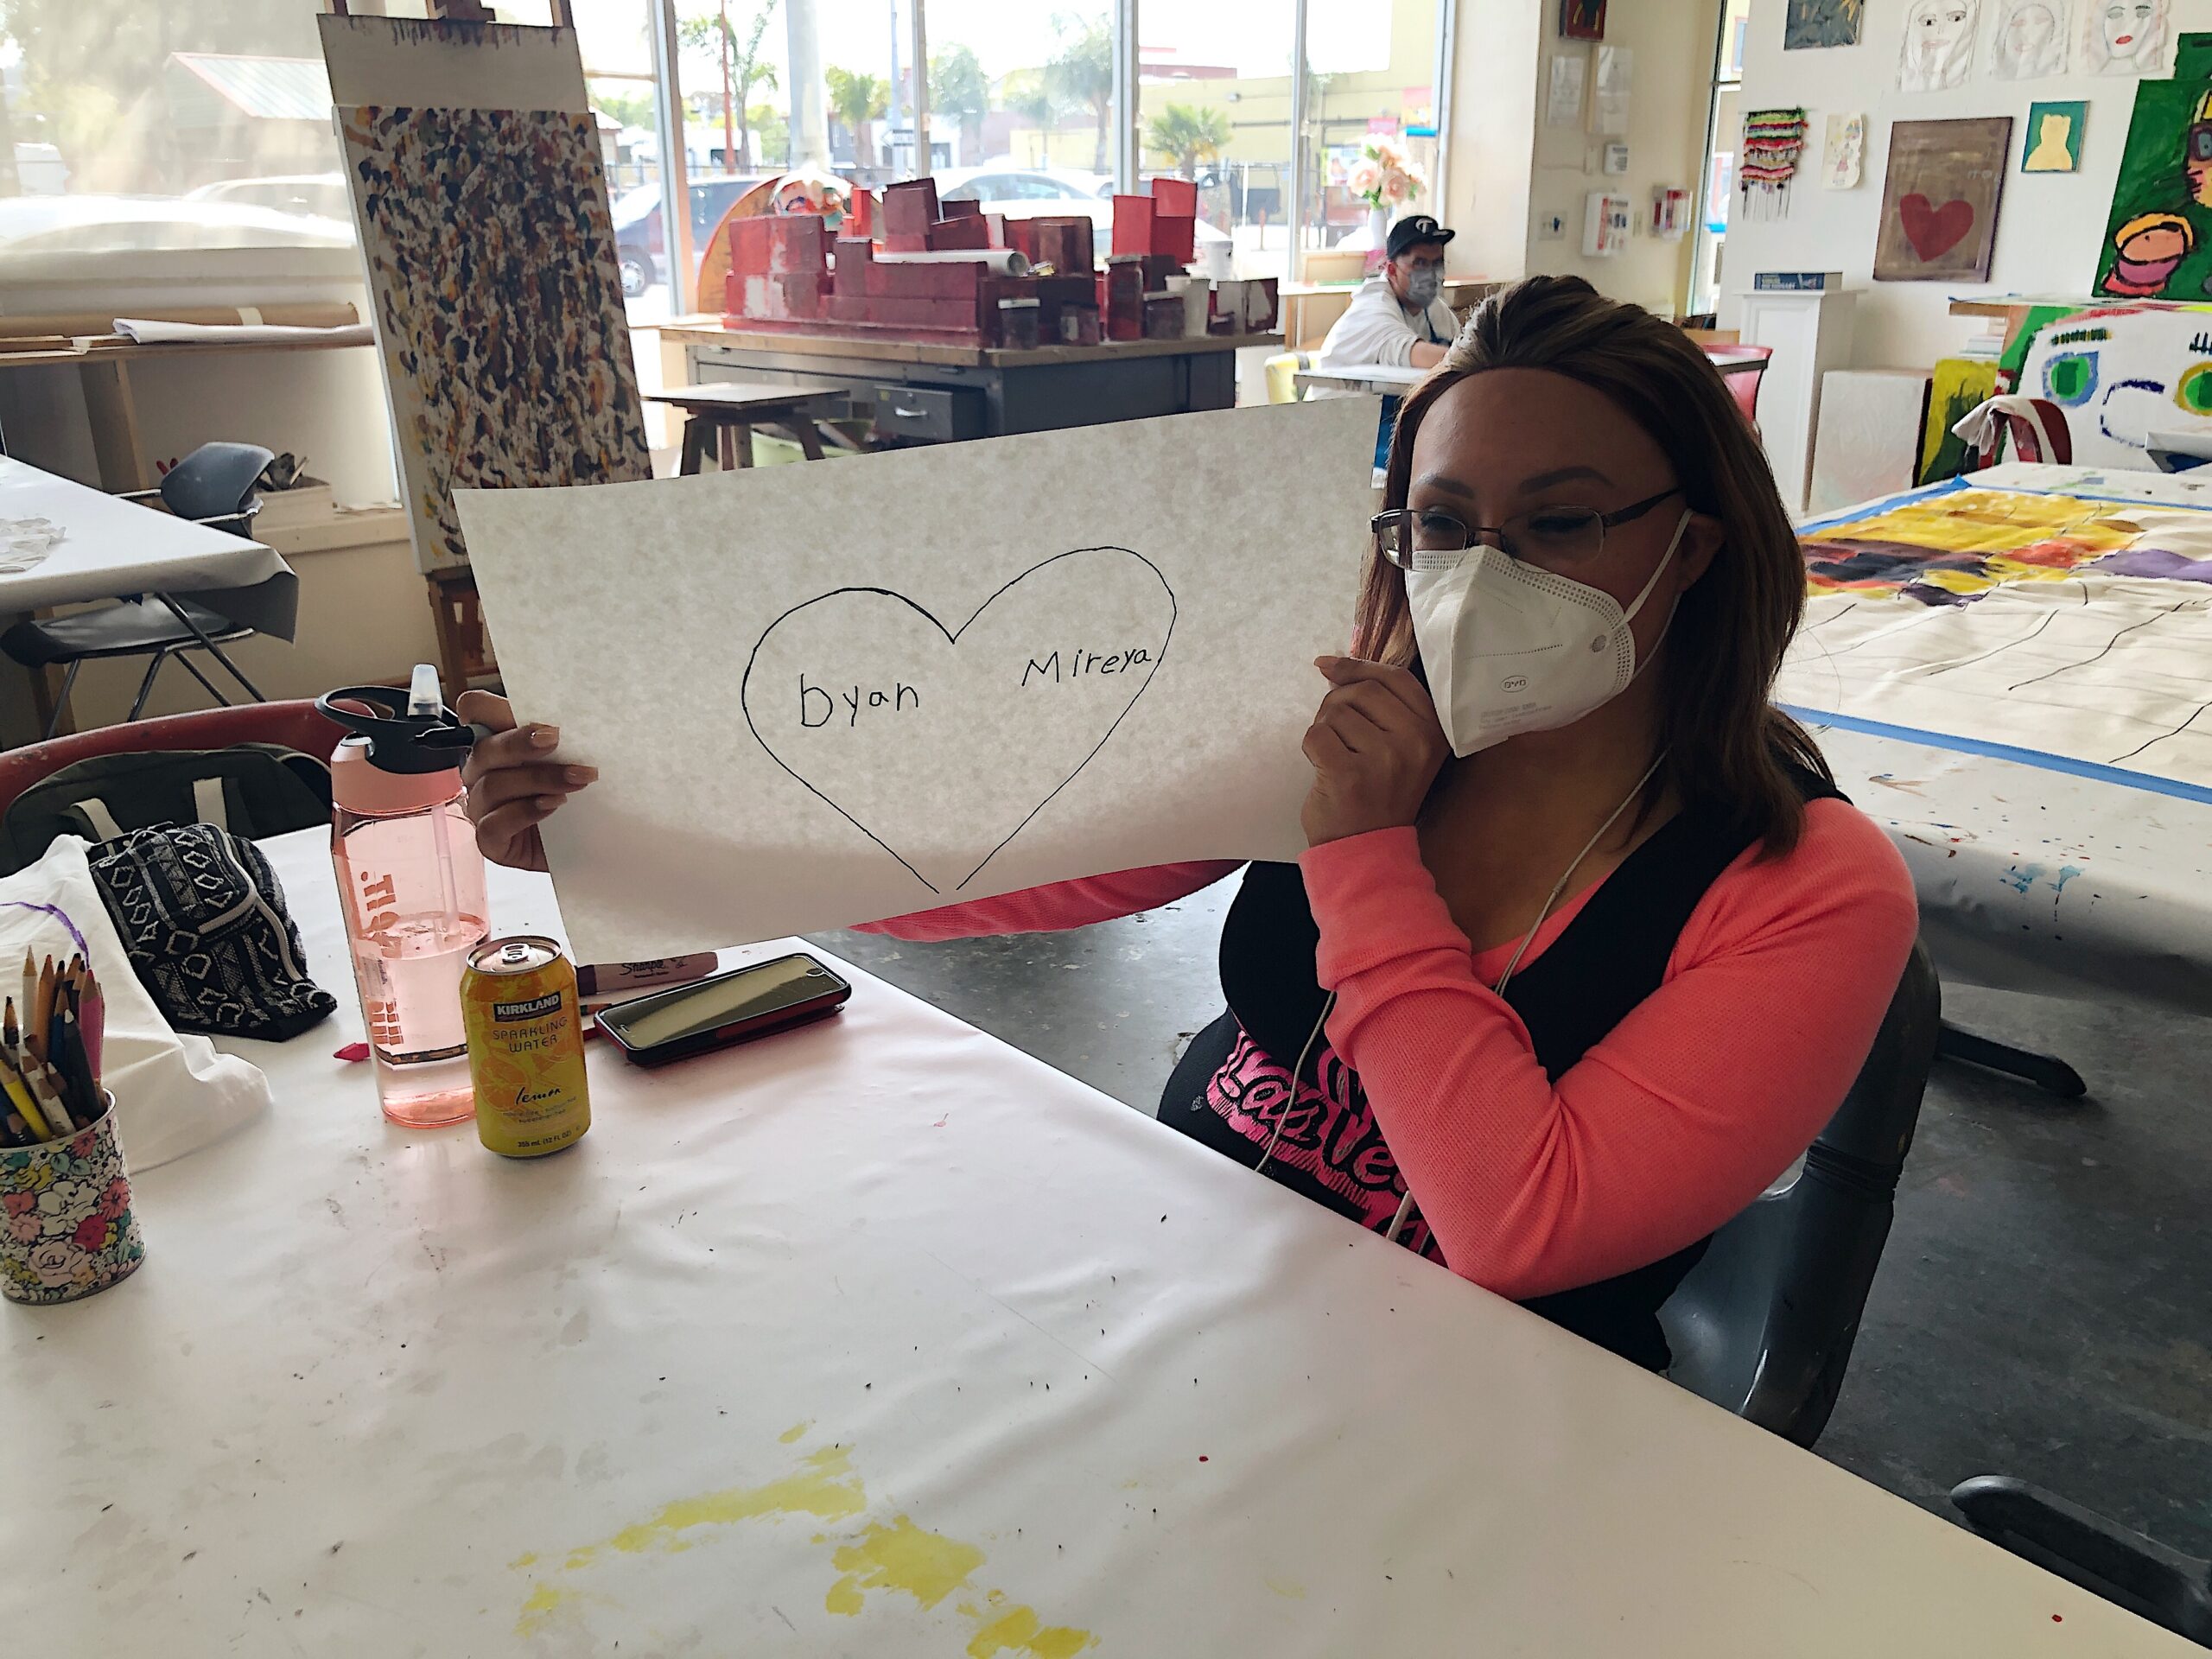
<point>841,690</point>
<point>1608,96</point>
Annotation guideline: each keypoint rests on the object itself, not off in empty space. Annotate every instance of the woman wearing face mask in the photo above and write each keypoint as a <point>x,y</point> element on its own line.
<point>1585,948</point>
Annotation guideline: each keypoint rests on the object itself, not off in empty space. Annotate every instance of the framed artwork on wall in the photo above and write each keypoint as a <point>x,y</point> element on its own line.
<point>2053,140</point>
<point>1939,197</point>
<point>1582,20</point>
<point>1821,22</point>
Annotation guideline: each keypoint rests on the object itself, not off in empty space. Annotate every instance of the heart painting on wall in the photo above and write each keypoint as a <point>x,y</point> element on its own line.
<point>1940,198</point>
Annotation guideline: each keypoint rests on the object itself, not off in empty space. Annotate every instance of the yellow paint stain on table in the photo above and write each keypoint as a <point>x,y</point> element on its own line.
<point>1018,1630</point>
<point>897,1555</point>
<point>927,1565</point>
<point>548,1604</point>
<point>1289,1589</point>
<point>792,1433</point>
<point>826,1488</point>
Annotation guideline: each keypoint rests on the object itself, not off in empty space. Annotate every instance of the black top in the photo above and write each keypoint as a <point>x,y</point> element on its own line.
<point>1602,964</point>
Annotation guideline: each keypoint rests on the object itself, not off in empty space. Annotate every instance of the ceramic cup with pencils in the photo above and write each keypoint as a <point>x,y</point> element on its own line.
<point>66,1226</point>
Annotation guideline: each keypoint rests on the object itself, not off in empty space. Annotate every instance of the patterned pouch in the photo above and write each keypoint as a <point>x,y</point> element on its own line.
<point>203,917</point>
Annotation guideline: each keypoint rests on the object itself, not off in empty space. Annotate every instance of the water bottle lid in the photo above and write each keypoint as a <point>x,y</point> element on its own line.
<point>412,732</point>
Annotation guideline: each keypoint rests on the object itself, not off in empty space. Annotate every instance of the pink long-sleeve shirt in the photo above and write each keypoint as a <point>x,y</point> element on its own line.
<point>1666,1128</point>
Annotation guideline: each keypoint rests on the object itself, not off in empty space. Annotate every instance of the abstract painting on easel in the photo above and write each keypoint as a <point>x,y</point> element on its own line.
<point>1939,200</point>
<point>491,259</point>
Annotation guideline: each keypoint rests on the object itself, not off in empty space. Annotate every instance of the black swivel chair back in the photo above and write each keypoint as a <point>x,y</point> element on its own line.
<point>214,485</point>
<point>1764,1323</point>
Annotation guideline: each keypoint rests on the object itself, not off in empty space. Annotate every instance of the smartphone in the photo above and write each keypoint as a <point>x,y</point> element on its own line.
<point>731,1008</point>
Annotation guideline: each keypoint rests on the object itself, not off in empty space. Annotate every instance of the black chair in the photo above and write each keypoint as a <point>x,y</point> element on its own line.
<point>1764,1323</point>
<point>2106,1559</point>
<point>213,486</point>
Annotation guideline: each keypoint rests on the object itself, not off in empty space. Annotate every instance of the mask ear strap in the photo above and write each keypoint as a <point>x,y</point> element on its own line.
<point>1665,559</point>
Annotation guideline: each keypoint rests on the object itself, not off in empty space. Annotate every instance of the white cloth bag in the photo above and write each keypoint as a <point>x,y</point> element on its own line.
<point>173,1094</point>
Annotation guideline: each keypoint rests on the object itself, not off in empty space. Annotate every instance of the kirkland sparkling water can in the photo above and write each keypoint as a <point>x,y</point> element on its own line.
<point>525,1047</point>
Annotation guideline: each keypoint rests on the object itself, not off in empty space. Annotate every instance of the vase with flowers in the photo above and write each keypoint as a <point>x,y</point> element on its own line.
<point>1386,178</point>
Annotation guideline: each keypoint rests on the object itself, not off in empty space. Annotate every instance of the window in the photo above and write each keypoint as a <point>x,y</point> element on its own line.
<point>1724,131</point>
<point>195,123</point>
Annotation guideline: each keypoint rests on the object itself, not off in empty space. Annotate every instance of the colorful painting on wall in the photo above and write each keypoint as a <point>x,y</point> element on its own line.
<point>1808,23</point>
<point>1843,152</point>
<point>1582,20</point>
<point>2124,37</point>
<point>2053,140</point>
<point>491,259</point>
<point>1939,199</point>
<point>1938,49</point>
<point>2158,237</point>
<point>2030,39</point>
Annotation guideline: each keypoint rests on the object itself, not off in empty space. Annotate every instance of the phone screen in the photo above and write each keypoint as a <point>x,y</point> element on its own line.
<point>745,994</point>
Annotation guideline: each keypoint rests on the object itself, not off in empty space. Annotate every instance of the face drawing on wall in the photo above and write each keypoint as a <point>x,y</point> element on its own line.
<point>1938,44</point>
<point>2126,37</point>
<point>2122,375</point>
<point>2030,39</point>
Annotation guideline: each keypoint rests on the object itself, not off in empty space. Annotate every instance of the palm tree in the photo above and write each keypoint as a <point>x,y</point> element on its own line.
<point>1188,136</point>
<point>1082,72</point>
<point>738,68</point>
<point>857,99</point>
<point>1030,93</point>
<point>958,89</point>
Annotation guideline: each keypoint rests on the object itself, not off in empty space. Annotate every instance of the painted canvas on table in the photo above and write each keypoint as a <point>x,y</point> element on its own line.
<point>2029,41</point>
<point>2158,236</point>
<point>2053,140</point>
<point>1582,20</point>
<point>2126,37</point>
<point>491,259</point>
<point>1821,22</point>
<point>1938,47</point>
<point>1940,198</point>
<point>2131,379</point>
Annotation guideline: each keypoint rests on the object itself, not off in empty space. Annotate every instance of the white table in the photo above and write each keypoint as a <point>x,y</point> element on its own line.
<point>110,548</point>
<point>1392,379</point>
<point>2042,881</point>
<point>1386,379</point>
<point>874,1304</point>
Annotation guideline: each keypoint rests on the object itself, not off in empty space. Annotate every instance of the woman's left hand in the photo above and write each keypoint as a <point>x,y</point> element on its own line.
<point>1376,746</point>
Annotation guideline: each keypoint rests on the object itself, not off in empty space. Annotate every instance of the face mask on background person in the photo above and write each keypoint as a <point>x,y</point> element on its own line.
<point>1510,647</point>
<point>1423,285</point>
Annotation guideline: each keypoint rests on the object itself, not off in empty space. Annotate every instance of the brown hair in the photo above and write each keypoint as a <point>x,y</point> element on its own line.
<point>1728,748</point>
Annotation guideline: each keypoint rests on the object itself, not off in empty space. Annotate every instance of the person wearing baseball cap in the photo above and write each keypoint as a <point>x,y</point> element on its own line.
<point>1398,315</point>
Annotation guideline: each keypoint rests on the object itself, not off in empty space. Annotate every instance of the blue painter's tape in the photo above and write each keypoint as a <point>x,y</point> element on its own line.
<point>2090,769</point>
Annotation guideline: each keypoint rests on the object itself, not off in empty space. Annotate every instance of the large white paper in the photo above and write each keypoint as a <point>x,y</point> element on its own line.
<point>832,692</point>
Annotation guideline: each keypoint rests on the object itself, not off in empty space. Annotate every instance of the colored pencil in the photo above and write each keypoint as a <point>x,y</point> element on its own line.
<point>76,1067</point>
<point>50,1106</point>
<point>19,1092</point>
<point>35,1015</point>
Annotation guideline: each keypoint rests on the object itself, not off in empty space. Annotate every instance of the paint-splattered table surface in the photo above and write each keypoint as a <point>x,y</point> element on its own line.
<point>882,1338</point>
<point>2011,673</point>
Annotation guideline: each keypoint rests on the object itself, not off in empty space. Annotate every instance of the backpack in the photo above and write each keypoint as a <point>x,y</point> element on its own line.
<point>251,790</point>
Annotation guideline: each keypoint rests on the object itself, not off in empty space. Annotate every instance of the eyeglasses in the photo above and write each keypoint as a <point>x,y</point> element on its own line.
<point>1428,539</point>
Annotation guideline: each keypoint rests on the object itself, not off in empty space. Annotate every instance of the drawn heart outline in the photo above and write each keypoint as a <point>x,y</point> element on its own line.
<point>952,636</point>
<point>1935,230</point>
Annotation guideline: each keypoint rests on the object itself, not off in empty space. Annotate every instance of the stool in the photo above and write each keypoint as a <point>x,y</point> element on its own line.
<point>726,412</point>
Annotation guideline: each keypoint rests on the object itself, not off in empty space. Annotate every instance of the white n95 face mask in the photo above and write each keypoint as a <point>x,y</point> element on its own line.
<point>1510,647</point>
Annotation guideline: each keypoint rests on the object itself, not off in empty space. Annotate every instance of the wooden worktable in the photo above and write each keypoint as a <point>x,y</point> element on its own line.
<point>927,391</point>
<point>711,331</point>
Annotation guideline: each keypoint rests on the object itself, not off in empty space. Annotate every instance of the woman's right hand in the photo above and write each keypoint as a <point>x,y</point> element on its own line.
<point>514,783</point>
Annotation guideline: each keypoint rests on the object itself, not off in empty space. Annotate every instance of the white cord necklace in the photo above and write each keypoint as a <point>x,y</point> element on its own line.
<point>1568,875</point>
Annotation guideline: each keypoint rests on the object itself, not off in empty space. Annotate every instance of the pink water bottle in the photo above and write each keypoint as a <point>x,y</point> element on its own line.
<point>410,883</point>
